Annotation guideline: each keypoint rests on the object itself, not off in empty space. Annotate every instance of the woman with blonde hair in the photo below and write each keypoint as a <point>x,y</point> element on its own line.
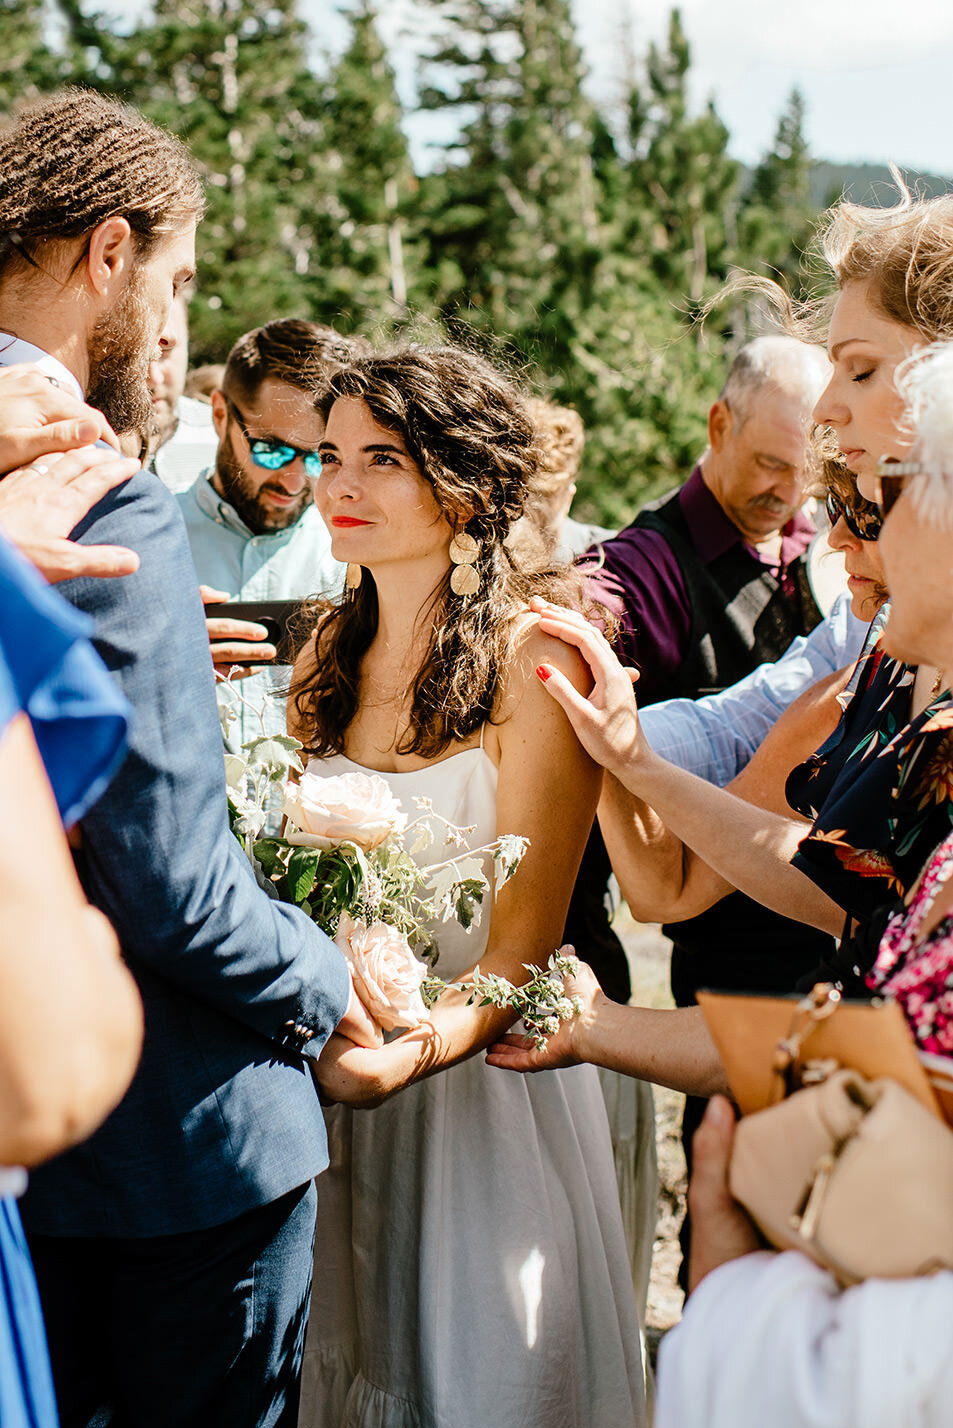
<point>767,1337</point>
<point>677,843</point>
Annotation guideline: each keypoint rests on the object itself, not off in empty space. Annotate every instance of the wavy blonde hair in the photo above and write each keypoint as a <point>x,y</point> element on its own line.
<point>904,251</point>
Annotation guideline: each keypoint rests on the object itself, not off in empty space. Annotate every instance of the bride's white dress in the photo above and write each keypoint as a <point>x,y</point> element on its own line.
<point>470,1262</point>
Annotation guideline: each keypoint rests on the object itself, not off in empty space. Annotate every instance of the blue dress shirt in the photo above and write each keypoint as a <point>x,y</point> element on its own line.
<point>289,564</point>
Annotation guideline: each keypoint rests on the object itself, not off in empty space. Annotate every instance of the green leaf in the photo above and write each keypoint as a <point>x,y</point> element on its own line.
<point>302,872</point>
<point>268,852</point>
<point>275,753</point>
<point>467,901</point>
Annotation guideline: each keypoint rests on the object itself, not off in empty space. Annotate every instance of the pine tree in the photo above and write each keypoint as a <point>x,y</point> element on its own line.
<point>682,186</point>
<point>777,218</point>
<point>536,238</point>
<point>367,257</point>
<point>231,78</point>
<point>512,215</point>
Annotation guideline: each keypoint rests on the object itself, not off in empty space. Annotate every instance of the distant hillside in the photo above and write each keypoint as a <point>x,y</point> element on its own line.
<point>868,183</point>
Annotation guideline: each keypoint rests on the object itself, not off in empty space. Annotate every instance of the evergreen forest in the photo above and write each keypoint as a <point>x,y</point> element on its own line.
<point>575,245</point>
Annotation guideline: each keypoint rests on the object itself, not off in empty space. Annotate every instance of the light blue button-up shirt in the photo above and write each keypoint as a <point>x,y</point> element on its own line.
<point>714,737</point>
<point>289,564</point>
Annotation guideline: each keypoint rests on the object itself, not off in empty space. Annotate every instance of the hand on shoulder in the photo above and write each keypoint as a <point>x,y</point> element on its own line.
<point>524,711</point>
<point>599,701</point>
<point>534,646</point>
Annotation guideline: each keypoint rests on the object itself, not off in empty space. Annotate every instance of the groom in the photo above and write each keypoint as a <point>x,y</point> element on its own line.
<point>173,1249</point>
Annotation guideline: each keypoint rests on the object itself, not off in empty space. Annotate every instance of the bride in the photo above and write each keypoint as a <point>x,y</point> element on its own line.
<point>470,1263</point>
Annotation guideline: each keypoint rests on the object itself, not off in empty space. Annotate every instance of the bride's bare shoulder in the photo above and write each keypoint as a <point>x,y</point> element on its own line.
<point>530,648</point>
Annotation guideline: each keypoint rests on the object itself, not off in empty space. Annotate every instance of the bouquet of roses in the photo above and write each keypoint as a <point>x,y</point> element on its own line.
<point>346,859</point>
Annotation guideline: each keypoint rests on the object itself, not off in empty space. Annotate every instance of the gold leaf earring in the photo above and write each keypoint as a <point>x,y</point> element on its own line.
<point>464,552</point>
<point>354,576</point>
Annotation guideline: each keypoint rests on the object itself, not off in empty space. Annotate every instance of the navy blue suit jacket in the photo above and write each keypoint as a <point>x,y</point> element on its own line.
<point>222,1115</point>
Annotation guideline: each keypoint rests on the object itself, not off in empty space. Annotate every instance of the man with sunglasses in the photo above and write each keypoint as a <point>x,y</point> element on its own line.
<point>254,530</point>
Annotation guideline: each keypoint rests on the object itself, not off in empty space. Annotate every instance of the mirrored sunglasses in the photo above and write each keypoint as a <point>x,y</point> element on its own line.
<point>862,520</point>
<point>270,453</point>
<point>891,476</point>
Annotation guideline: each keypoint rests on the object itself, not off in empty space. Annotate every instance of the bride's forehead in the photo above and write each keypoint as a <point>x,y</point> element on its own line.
<point>352,419</point>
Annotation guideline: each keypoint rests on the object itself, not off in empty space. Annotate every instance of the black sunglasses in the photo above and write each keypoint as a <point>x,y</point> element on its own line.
<point>270,453</point>
<point>862,519</point>
<point>891,478</point>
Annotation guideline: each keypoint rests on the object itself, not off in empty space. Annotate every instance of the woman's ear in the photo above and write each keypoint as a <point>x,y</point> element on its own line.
<point>459,521</point>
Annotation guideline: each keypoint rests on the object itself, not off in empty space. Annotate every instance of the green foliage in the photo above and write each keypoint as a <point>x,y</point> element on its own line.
<point>682,188</point>
<point>542,1001</point>
<point>778,215</point>
<point>574,245</point>
<point>510,215</point>
<point>27,66</point>
<point>364,246</point>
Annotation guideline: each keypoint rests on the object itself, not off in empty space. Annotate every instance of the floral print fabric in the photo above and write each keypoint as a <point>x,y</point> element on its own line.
<point>880,790</point>
<point>919,974</point>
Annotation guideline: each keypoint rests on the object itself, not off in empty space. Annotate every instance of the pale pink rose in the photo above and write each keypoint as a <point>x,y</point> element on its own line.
<point>387,975</point>
<point>353,807</point>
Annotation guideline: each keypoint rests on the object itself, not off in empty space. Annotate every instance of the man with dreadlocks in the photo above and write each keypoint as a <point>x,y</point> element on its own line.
<point>173,1248</point>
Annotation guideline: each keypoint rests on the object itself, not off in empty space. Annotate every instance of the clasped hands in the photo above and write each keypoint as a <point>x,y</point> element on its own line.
<point>362,1073</point>
<point>356,1067</point>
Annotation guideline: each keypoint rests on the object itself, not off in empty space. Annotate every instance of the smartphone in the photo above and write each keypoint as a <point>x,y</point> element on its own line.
<point>277,616</point>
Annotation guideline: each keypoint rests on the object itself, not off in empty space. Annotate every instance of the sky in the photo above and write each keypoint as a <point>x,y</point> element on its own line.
<point>877,75</point>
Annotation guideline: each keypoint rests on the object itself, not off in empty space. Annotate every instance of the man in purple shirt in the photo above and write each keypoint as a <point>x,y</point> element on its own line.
<point>708,583</point>
<point>740,508</point>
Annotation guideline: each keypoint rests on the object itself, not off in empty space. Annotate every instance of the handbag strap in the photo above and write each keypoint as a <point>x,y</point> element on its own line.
<point>821,1002</point>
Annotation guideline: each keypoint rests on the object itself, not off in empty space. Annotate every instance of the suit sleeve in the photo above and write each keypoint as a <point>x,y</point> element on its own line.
<point>159,858</point>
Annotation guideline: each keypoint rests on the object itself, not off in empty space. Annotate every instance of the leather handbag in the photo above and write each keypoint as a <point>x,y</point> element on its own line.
<point>856,1173</point>
<point>765,1041</point>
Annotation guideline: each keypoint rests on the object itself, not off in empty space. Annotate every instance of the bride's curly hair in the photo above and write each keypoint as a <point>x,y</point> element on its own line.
<point>467,429</point>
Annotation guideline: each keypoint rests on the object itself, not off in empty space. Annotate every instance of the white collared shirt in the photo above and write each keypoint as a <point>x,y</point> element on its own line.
<point>14,349</point>
<point>190,449</point>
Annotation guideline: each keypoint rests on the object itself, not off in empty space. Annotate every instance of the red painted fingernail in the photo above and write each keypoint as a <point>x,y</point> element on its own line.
<point>542,672</point>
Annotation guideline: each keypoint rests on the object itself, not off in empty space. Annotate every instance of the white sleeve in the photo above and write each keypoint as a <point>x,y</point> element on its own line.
<point>769,1341</point>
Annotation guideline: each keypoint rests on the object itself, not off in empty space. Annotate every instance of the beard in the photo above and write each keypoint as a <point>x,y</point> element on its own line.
<point>243,494</point>
<point>120,348</point>
<point>164,421</point>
